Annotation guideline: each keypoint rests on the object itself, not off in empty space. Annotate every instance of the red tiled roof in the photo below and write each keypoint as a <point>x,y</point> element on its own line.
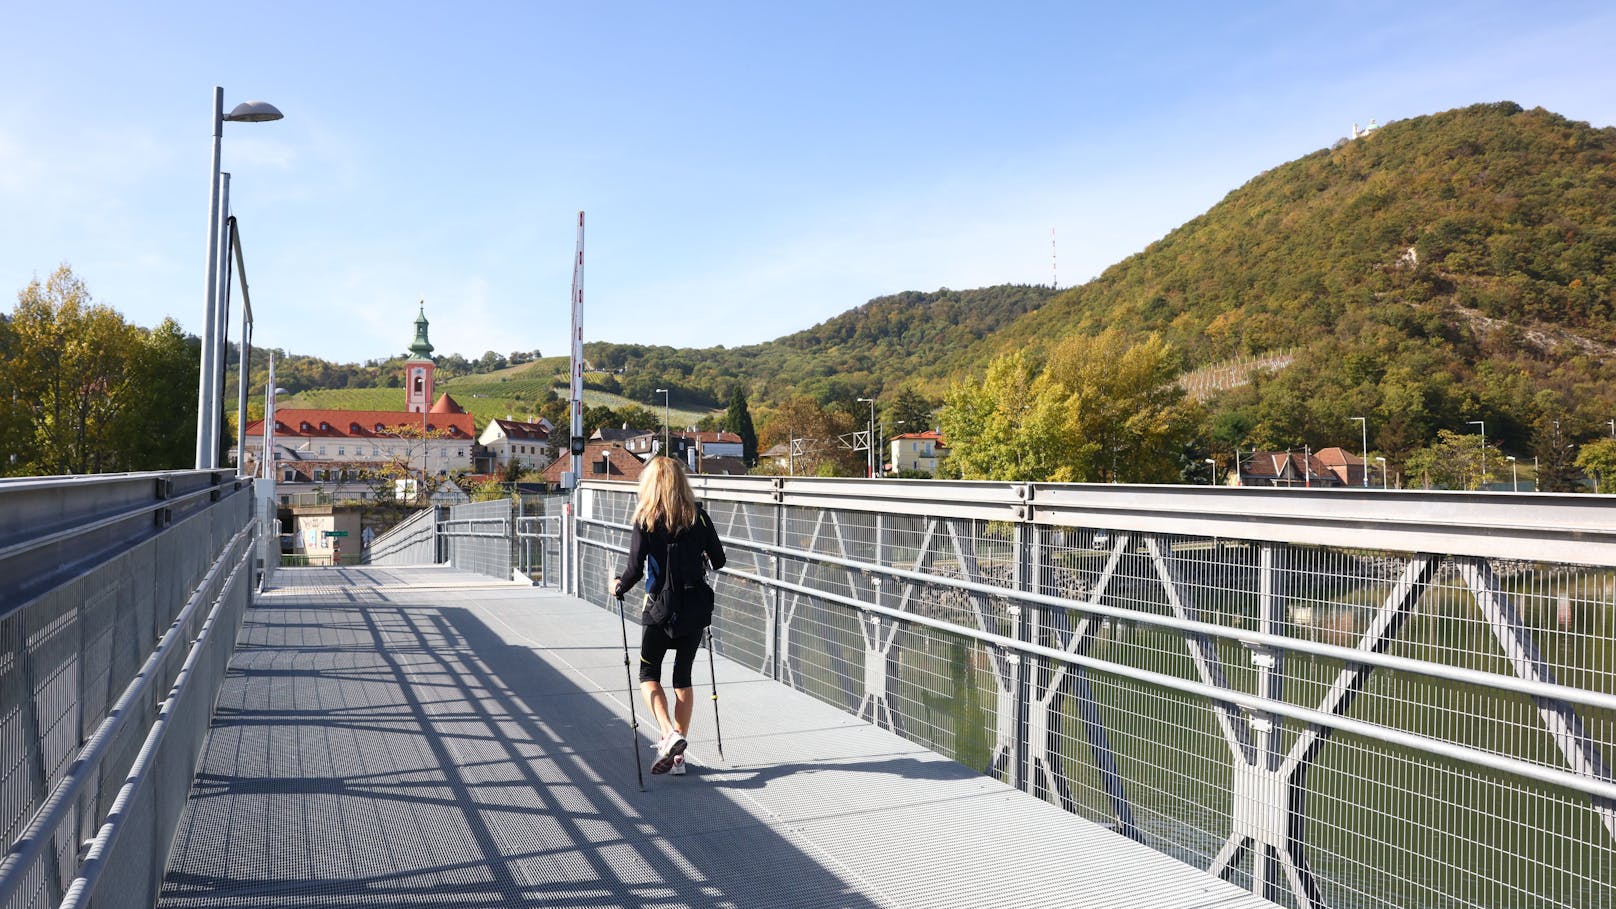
<point>624,466</point>
<point>361,424</point>
<point>930,434</point>
<point>447,404</point>
<point>523,432</point>
<point>710,436</point>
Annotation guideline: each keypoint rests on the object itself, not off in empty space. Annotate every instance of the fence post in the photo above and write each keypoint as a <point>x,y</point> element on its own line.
<point>1025,541</point>
<point>776,602</point>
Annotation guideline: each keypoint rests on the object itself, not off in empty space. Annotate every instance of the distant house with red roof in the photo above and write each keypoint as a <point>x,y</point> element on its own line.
<point>917,451</point>
<point>517,442</point>
<point>1290,468</point>
<point>600,461</point>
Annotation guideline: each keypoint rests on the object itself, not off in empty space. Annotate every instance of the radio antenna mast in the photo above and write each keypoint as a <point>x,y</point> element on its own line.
<point>1054,274</point>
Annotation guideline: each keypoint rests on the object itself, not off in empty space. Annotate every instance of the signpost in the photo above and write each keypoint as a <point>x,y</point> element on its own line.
<point>333,533</point>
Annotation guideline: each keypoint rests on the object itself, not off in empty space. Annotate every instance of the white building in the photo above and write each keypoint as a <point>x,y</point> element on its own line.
<point>918,451</point>
<point>515,442</point>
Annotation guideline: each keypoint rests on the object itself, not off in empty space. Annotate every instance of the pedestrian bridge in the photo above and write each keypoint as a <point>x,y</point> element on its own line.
<point>930,693</point>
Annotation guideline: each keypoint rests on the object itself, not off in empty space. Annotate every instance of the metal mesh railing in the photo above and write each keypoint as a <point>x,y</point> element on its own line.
<point>413,541</point>
<point>123,595</point>
<point>1337,700</point>
<point>481,537</point>
<point>540,523</point>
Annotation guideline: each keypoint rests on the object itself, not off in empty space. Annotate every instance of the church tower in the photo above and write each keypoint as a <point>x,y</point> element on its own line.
<point>418,369</point>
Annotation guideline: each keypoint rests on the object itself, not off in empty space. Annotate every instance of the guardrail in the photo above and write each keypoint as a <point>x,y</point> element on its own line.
<point>115,588</point>
<point>1334,698</point>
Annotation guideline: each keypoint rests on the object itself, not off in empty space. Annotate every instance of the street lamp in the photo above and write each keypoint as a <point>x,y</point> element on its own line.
<point>1214,465</point>
<point>870,441</point>
<point>1482,423</point>
<point>212,365</point>
<point>1514,475</point>
<point>1382,472</point>
<point>1363,425</point>
<point>667,427</point>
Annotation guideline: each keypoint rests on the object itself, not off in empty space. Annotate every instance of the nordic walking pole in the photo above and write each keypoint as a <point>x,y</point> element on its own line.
<point>717,729</point>
<point>633,718</point>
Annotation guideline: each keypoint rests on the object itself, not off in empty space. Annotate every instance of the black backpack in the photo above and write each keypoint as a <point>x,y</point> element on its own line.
<point>684,603</point>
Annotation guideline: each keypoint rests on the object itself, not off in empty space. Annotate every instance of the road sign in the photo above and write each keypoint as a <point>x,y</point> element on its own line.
<point>334,533</point>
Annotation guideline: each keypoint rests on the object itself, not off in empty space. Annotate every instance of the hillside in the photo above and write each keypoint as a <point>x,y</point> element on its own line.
<point>1448,268</point>
<point>923,338</point>
<point>1444,269</point>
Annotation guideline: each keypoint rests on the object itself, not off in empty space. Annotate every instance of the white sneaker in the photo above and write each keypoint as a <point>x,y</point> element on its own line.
<point>668,750</point>
<point>678,768</point>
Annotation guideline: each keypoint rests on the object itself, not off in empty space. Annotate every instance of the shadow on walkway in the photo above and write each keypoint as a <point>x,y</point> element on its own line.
<point>375,753</point>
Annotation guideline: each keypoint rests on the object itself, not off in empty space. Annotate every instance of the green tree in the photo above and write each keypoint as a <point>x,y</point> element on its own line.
<point>71,373</point>
<point>1598,460</point>
<point>1551,446</point>
<point>1125,403</point>
<point>738,419</point>
<point>908,411</point>
<point>1454,461</point>
<point>157,430</point>
<point>1013,425</point>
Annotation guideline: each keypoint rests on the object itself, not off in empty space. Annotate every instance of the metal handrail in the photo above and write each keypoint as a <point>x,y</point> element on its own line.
<point>1591,785</point>
<point>16,549</point>
<point>63,798</point>
<point>1260,639</point>
<point>89,871</point>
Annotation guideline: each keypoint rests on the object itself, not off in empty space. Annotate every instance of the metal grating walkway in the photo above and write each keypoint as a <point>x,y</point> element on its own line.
<point>415,737</point>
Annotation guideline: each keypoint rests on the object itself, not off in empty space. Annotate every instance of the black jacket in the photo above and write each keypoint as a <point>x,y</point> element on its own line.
<point>648,552</point>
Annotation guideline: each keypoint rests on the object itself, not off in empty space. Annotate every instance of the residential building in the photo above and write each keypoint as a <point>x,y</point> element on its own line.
<point>714,444</point>
<point>511,441</point>
<point>1287,468</point>
<point>1346,466</point>
<point>918,451</point>
<point>329,452</point>
<point>600,461</point>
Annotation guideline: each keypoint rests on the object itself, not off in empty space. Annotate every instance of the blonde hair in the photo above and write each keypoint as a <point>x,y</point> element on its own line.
<point>666,500</point>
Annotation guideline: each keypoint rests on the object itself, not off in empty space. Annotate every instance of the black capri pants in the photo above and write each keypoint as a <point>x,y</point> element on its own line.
<point>655,644</point>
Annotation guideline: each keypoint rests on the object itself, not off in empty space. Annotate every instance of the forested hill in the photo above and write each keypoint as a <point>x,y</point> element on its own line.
<point>1506,212</point>
<point>908,337</point>
<point>1453,267</point>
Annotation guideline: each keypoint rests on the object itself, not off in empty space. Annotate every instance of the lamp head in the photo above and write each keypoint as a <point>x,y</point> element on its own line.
<point>254,112</point>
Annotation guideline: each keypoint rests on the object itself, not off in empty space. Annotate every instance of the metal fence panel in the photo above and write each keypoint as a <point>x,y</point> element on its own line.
<point>413,541</point>
<point>96,572</point>
<point>481,537</point>
<point>1300,706</point>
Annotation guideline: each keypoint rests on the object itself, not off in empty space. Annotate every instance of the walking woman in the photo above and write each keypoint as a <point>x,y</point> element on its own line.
<point>672,537</point>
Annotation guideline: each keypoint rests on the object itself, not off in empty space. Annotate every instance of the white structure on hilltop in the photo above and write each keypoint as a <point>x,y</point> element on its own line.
<point>1360,133</point>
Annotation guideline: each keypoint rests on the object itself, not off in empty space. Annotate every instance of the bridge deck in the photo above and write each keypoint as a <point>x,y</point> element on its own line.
<point>424,737</point>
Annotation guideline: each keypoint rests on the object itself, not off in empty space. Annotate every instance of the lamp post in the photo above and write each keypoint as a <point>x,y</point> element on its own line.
<point>667,427</point>
<point>1363,426</point>
<point>1482,423</point>
<point>1514,475</point>
<point>207,400</point>
<point>1213,464</point>
<point>1382,472</point>
<point>870,441</point>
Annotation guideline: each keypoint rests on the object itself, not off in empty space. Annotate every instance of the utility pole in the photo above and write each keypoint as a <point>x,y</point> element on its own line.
<point>577,411</point>
<point>869,440</point>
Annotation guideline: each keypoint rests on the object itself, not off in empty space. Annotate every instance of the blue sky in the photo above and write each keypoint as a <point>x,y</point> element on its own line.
<point>748,169</point>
